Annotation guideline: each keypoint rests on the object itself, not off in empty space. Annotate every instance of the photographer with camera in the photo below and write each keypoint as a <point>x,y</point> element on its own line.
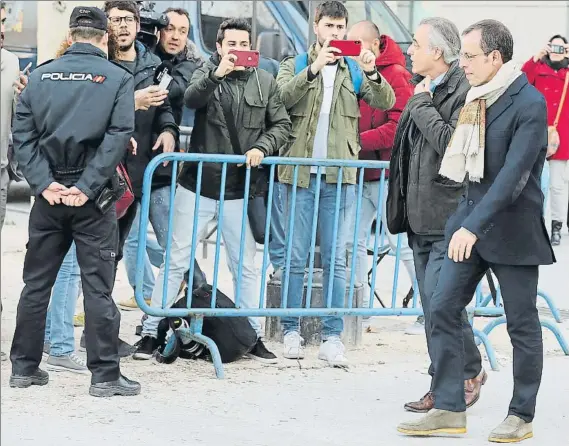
<point>175,47</point>
<point>548,71</point>
<point>155,128</point>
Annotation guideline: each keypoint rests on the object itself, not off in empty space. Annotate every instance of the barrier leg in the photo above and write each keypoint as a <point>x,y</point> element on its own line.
<point>551,305</point>
<point>483,337</point>
<point>555,330</point>
<point>544,323</point>
<point>196,334</point>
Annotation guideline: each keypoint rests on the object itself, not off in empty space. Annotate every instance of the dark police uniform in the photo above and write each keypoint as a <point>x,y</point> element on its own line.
<point>73,125</point>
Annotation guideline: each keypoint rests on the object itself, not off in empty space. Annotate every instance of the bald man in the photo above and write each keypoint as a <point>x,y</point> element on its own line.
<point>377,132</point>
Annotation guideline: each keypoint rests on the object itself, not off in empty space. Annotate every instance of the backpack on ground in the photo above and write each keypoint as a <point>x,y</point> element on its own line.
<point>301,62</point>
<point>233,336</point>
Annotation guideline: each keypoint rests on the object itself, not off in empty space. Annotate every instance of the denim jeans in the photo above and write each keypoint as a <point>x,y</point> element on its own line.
<point>278,221</point>
<point>368,212</point>
<point>158,217</point>
<point>154,256</point>
<point>302,235</point>
<point>545,182</point>
<point>180,254</point>
<point>59,322</point>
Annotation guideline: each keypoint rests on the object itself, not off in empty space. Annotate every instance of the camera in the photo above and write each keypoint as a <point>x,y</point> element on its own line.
<point>557,49</point>
<point>150,23</point>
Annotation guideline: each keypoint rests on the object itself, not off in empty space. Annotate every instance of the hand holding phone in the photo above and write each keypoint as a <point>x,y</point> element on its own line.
<point>246,58</point>
<point>349,48</point>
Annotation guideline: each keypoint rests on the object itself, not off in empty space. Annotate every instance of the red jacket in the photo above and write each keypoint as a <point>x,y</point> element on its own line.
<point>377,127</point>
<point>550,83</point>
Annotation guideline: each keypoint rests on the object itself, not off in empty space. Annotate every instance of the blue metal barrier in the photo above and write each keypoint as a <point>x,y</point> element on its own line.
<point>197,314</point>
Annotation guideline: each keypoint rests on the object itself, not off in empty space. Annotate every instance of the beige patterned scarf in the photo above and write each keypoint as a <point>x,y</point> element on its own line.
<point>465,153</point>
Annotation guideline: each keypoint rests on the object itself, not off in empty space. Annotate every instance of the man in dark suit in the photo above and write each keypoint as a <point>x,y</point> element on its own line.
<point>500,142</point>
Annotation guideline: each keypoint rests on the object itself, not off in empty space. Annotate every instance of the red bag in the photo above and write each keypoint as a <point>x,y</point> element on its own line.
<point>127,198</point>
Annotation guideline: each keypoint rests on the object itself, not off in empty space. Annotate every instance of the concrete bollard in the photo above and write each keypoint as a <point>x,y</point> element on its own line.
<point>310,327</point>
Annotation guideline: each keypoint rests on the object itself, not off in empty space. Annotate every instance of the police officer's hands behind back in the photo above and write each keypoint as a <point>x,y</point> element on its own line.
<point>152,96</point>
<point>55,193</point>
<point>74,198</point>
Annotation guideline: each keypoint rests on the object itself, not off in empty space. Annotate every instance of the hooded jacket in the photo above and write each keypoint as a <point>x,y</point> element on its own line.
<point>259,114</point>
<point>377,127</point>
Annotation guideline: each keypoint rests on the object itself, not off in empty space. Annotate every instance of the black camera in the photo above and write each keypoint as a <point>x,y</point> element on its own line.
<point>150,23</point>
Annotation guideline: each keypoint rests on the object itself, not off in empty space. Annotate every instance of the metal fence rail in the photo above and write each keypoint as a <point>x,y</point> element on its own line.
<point>480,308</point>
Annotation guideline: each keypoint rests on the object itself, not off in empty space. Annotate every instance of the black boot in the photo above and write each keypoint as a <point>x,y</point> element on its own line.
<point>556,227</point>
<point>38,378</point>
<point>122,387</point>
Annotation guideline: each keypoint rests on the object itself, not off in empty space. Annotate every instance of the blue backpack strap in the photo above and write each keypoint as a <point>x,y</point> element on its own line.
<point>356,73</point>
<point>300,62</point>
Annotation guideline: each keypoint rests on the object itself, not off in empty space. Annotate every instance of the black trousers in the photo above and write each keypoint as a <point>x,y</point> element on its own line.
<point>519,292</point>
<point>429,253</point>
<point>51,232</point>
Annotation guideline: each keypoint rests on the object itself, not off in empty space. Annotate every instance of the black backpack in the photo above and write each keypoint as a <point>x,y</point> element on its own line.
<point>233,336</point>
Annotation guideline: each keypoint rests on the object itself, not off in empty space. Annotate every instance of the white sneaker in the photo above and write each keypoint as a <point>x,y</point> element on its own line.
<point>332,351</point>
<point>418,328</point>
<point>293,346</point>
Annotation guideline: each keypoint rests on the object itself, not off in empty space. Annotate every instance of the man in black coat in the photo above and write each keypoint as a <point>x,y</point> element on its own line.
<point>68,145</point>
<point>156,132</point>
<point>174,46</point>
<point>426,198</point>
<point>500,143</point>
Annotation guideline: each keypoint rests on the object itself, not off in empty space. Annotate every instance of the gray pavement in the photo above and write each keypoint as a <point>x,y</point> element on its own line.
<point>288,404</point>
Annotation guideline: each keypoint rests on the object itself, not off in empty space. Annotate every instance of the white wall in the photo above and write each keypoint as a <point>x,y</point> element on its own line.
<point>532,23</point>
<point>53,24</point>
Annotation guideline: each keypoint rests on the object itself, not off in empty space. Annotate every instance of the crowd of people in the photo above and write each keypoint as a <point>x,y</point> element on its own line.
<point>461,210</point>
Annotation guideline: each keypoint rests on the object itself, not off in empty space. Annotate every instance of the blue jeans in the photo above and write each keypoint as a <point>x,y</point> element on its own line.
<point>278,221</point>
<point>302,234</point>
<point>158,216</point>
<point>545,182</point>
<point>59,322</point>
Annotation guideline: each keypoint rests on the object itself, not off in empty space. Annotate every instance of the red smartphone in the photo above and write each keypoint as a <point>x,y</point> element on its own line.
<point>348,47</point>
<point>246,58</point>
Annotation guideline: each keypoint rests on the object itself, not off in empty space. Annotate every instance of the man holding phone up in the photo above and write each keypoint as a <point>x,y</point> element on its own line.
<point>228,93</point>
<point>322,98</point>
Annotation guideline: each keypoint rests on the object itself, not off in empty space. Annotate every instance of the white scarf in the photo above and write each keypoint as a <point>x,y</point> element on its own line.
<point>465,153</point>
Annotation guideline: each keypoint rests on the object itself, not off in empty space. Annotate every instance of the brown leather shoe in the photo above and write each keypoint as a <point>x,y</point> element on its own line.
<point>423,405</point>
<point>472,388</point>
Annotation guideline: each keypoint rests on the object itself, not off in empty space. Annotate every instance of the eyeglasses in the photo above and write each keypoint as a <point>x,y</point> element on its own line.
<point>470,57</point>
<point>129,20</point>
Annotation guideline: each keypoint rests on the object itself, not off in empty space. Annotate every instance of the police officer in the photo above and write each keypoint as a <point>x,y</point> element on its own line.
<point>73,124</point>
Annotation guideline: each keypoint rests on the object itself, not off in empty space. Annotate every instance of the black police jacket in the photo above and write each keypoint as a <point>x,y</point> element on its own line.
<point>149,124</point>
<point>74,121</point>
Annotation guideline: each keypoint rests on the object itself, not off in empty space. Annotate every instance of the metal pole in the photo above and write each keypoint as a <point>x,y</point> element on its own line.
<point>311,11</point>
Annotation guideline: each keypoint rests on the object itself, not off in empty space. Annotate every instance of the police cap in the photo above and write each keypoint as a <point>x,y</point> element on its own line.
<point>88,17</point>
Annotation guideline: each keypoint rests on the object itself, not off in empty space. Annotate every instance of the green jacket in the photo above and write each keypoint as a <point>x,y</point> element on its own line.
<point>303,100</point>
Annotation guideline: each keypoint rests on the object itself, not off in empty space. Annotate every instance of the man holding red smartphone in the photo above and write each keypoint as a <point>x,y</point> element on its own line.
<point>227,95</point>
<point>323,95</point>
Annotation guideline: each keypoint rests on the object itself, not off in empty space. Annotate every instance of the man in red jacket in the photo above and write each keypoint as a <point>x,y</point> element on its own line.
<point>377,134</point>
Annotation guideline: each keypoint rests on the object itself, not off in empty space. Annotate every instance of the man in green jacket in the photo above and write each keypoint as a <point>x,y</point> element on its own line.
<point>323,104</point>
<point>262,127</point>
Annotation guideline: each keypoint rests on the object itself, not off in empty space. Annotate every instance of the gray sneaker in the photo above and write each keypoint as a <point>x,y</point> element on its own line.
<point>46,348</point>
<point>418,328</point>
<point>3,356</point>
<point>69,363</point>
